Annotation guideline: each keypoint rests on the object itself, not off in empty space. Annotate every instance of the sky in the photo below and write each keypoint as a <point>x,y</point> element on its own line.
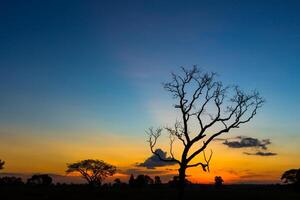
<point>82,79</point>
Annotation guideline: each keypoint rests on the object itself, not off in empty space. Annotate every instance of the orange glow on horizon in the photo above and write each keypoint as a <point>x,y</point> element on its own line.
<point>45,154</point>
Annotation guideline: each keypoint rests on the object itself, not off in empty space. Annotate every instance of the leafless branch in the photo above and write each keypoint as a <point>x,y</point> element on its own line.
<point>177,131</point>
<point>153,136</point>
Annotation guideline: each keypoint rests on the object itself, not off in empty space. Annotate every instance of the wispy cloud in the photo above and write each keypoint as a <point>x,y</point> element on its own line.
<point>260,153</point>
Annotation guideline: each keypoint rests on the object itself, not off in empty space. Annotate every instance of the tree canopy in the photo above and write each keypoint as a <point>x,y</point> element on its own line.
<point>94,171</point>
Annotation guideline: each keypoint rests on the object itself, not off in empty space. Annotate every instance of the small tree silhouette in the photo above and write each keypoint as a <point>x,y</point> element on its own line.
<point>94,171</point>
<point>291,176</point>
<point>2,164</point>
<point>143,180</point>
<point>175,182</point>
<point>131,181</point>
<point>157,180</point>
<point>218,181</point>
<point>117,181</point>
<point>40,179</point>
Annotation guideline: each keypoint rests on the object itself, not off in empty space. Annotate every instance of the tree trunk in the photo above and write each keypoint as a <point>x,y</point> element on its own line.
<point>181,182</point>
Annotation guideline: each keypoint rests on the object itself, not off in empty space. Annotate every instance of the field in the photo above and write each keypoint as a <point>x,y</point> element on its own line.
<point>164,192</point>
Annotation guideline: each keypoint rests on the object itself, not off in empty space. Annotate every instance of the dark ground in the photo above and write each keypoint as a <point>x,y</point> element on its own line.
<point>82,192</point>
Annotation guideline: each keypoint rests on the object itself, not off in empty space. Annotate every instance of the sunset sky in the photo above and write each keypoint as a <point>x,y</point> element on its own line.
<point>82,79</point>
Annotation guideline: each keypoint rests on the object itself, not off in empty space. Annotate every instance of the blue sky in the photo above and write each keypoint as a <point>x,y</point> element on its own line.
<point>65,65</point>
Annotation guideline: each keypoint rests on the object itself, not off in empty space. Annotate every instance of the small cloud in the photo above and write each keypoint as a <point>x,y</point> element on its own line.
<point>244,142</point>
<point>153,161</point>
<point>260,146</point>
<point>252,175</point>
<point>260,153</point>
<point>232,172</point>
<point>169,169</point>
<point>219,139</point>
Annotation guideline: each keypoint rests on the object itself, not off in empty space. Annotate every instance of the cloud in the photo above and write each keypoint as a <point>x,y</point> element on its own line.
<point>244,142</point>
<point>231,171</point>
<point>260,153</point>
<point>252,175</point>
<point>153,161</point>
<point>248,142</point>
<point>219,139</point>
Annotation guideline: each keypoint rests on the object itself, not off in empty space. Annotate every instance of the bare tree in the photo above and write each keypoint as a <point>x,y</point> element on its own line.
<point>215,108</point>
<point>94,171</point>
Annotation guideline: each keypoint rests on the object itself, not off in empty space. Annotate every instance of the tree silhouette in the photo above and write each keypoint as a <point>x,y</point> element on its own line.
<point>214,107</point>
<point>291,176</point>
<point>143,180</point>
<point>218,181</point>
<point>131,181</point>
<point>157,180</point>
<point>2,164</point>
<point>40,179</point>
<point>175,181</point>
<point>94,171</point>
<point>117,181</point>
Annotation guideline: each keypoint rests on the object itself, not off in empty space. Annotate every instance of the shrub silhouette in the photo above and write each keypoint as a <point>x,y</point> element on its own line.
<point>40,179</point>
<point>94,171</point>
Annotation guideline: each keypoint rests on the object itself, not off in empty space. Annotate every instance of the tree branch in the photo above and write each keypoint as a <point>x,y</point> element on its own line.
<point>153,136</point>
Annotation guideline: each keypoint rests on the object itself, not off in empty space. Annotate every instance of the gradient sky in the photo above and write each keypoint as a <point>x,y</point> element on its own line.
<point>82,79</point>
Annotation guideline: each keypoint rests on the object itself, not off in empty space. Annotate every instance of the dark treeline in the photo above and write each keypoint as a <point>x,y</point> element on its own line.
<point>141,188</point>
<point>140,181</point>
<point>35,180</point>
<point>41,186</point>
<point>95,172</point>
